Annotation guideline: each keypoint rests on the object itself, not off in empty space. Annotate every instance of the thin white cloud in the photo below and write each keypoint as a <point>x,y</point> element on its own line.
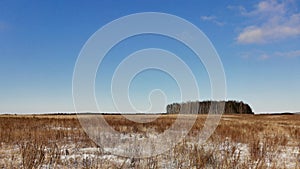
<point>208,18</point>
<point>289,54</point>
<point>273,21</point>
<point>268,8</point>
<point>212,19</point>
<point>240,8</point>
<point>255,55</point>
<point>262,55</point>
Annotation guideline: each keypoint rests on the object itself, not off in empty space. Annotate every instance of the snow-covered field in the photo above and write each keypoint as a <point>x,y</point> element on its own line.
<point>239,142</point>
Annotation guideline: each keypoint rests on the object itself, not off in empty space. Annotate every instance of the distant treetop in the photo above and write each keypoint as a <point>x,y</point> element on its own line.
<point>197,107</point>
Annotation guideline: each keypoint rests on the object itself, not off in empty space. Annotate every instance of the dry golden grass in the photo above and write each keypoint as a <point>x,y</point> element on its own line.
<point>36,141</point>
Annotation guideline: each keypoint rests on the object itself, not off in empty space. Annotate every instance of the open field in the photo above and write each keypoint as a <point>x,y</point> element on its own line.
<point>240,141</point>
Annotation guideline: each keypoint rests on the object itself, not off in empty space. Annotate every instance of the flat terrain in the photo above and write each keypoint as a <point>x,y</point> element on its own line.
<point>239,141</point>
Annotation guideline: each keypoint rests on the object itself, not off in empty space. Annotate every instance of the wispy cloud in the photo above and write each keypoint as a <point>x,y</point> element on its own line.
<point>272,21</point>
<point>212,19</point>
<point>289,54</point>
<point>255,55</point>
<point>240,8</point>
<point>262,55</point>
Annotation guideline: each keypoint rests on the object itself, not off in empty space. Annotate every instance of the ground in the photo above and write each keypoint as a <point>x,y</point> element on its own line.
<point>239,141</point>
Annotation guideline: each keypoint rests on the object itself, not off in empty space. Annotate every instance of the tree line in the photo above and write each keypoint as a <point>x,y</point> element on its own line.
<point>214,107</point>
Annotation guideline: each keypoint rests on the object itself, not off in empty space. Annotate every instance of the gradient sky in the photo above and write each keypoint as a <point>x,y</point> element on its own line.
<point>257,41</point>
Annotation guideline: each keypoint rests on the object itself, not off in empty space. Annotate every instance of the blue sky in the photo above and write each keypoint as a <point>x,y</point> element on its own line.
<point>257,41</point>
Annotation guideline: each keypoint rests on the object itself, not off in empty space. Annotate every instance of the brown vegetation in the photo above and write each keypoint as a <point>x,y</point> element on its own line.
<point>240,141</point>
